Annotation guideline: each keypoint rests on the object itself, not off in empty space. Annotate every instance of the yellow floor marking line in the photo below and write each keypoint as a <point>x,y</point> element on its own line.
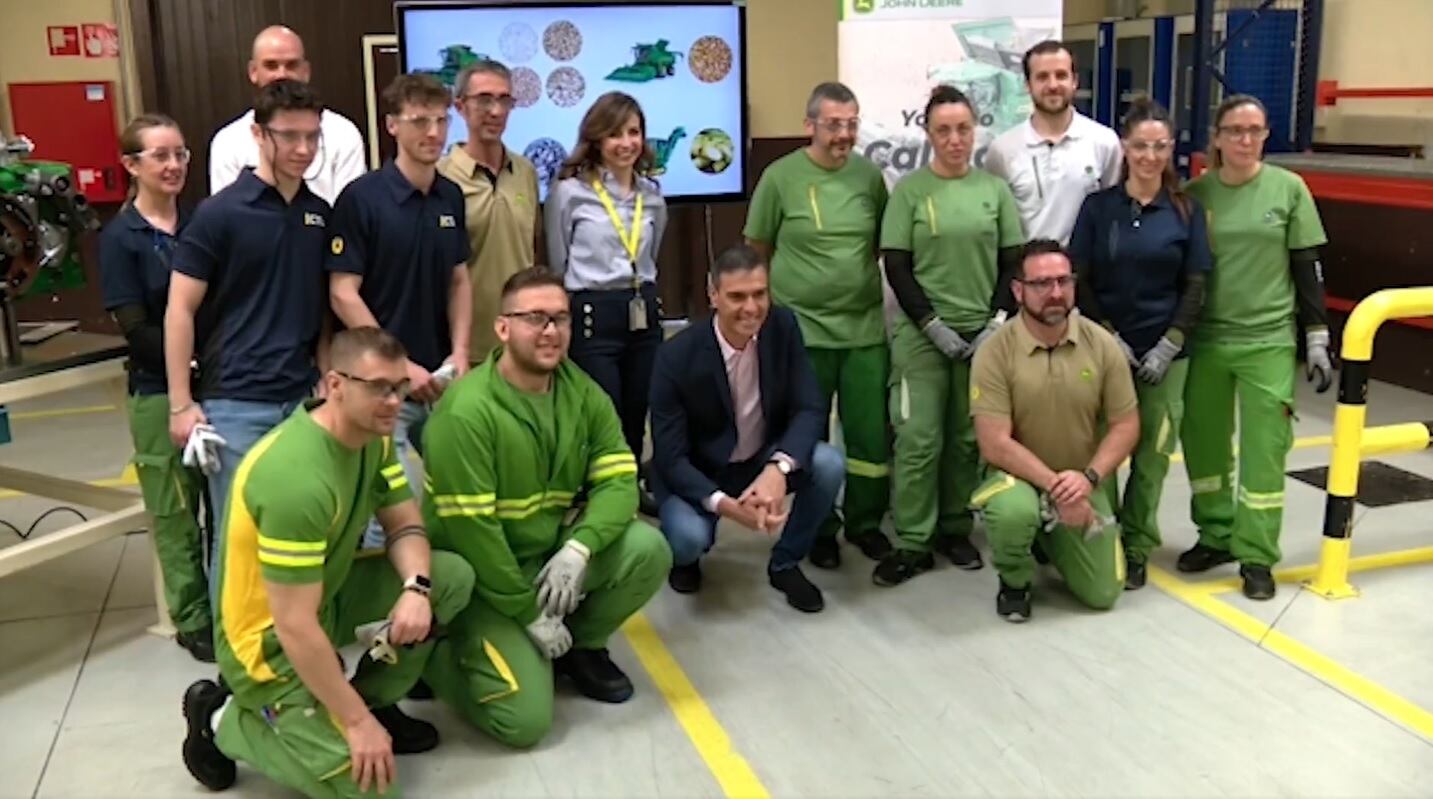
<point>1299,574</point>
<point>731,770</point>
<point>50,414</point>
<point>1323,668</point>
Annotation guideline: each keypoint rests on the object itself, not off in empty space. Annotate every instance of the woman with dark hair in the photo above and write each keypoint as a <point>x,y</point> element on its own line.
<point>948,228</point>
<point>1266,288</point>
<point>1141,254</point>
<point>135,252</point>
<point>604,220</point>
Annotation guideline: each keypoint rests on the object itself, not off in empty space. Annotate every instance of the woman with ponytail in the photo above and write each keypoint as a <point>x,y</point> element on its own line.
<point>1141,254</point>
<point>135,251</point>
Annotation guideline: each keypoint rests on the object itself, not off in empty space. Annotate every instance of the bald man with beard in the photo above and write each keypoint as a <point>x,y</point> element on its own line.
<point>278,54</point>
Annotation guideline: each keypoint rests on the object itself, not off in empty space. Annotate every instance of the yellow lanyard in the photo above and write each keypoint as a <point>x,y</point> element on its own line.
<point>632,239</point>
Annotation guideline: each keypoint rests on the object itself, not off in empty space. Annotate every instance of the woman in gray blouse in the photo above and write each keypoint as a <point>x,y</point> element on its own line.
<point>604,219</point>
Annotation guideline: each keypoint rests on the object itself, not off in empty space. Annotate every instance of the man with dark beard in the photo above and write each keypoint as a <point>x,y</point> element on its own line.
<point>1042,390</point>
<point>1052,161</point>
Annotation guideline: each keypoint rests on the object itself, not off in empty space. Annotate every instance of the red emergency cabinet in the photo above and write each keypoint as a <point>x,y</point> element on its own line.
<point>73,122</point>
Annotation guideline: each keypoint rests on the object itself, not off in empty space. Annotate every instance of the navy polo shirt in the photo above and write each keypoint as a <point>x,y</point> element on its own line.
<point>1137,257</point>
<point>135,258</point>
<point>263,260</point>
<point>405,244</point>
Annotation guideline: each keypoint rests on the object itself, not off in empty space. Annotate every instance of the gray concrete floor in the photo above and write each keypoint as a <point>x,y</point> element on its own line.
<point>913,691</point>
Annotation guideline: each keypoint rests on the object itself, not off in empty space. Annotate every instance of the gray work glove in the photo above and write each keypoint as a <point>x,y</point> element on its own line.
<point>1156,362</point>
<point>1317,359</point>
<point>946,340</point>
<point>551,636</point>
<point>201,451</point>
<point>559,584</point>
<point>990,327</point>
<point>1128,351</point>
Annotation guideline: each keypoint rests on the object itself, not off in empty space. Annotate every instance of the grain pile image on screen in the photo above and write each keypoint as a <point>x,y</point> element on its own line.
<point>526,87</point>
<point>518,42</point>
<point>712,151</point>
<point>562,40</point>
<point>709,59</point>
<point>546,156</point>
<point>566,86</point>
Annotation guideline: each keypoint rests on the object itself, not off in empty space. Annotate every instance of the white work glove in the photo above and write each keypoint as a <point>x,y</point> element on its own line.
<point>1156,362</point>
<point>946,340</point>
<point>559,584</point>
<point>445,374</point>
<point>551,636</point>
<point>1128,351</point>
<point>1050,519</point>
<point>201,451</point>
<point>990,327</point>
<point>1316,356</point>
<point>373,637</point>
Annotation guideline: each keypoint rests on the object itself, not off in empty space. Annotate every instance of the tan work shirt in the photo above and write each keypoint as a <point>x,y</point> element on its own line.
<point>502,213</point>
<point>1057,398</point>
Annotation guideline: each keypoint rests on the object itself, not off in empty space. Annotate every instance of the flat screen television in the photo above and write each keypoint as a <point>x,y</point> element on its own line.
<point>684,62</point>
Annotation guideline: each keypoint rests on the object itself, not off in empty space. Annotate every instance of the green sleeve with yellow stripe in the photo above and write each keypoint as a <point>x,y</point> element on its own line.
<point>611,476</point>
<point>293,517</point>
<point>392,486</point>
<point>461,510</point>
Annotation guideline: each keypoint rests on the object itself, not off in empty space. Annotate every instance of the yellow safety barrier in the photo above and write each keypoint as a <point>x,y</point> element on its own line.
<point>1331,579</point>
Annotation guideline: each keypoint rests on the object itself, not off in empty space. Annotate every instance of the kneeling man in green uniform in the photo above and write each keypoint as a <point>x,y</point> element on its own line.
<point>510,448</point>
<point>1055,415</point>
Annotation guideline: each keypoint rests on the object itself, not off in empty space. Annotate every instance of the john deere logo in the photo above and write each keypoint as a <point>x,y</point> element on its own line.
<point>1087,375</point>
<point>863,6</point>
<point>974,393</point>
<point>336,246</point>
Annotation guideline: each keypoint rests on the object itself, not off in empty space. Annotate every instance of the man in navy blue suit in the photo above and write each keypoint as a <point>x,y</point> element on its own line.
<point>737,422</point>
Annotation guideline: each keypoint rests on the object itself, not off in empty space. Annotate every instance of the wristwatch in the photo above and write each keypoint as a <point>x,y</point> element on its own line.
<point>1092,475</point>
<point>418,584</point>
<point>782,465</point>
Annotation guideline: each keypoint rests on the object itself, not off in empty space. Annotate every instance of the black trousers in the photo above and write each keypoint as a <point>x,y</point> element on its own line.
<point>619,359</point>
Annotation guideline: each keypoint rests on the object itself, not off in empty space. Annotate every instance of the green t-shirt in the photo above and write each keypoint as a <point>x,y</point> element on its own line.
<point>1252,228</point>
<point>542,410</point>
<point>823,224</point>
<point>298,507</point>
<point>955,229</point>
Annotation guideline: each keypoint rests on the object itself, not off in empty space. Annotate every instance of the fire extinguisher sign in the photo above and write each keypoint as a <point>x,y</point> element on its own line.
<point>100,40</point>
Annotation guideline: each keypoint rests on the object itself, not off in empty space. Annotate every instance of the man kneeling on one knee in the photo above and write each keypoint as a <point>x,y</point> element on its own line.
<point>737,422</point>
<point>508,450</point>
<point>1042,389</point>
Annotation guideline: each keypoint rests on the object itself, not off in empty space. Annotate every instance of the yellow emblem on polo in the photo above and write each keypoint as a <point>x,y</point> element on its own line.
<point>974,393</point>
<point>336,246</point>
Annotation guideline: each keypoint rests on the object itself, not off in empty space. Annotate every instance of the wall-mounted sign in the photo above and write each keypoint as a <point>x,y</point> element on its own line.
<point>63,39</point>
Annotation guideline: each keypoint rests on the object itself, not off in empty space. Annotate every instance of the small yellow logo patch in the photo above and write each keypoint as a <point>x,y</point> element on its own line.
<point>447,220</point>
<point>1087,375</point>
<point>336,246</point>
<point>974,393</point>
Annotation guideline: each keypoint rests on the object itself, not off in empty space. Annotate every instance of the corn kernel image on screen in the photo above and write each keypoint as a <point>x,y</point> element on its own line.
<point>683,62</point>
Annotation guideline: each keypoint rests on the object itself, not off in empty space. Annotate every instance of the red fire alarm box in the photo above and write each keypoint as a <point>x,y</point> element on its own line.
<point>73,122</point>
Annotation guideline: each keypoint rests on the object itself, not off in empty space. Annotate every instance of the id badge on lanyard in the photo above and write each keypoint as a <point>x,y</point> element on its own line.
<point>631,242</point>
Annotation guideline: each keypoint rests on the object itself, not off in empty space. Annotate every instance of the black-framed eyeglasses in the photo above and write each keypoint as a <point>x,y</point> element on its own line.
<point>539,320</point>
<point>382,389</point>
<point>1047,283</point>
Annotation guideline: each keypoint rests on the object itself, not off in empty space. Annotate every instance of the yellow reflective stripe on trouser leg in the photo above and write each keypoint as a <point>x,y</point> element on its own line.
<point>983,497</point>
<point>1261,500</point>
<point>504,671</point>
<point>860,468</point>
<point>1206,485</point>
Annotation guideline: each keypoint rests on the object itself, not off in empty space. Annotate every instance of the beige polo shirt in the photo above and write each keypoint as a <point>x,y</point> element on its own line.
<point>502,213</point>
<point>1057,398</point>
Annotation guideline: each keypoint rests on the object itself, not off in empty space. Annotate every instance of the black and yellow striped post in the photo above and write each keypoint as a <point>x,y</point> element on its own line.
<point>1331,578</point>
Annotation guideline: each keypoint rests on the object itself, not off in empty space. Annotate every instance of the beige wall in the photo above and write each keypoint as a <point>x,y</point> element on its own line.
<point>24,50</point>
<point>1378,44</point>
<point>791,47</point>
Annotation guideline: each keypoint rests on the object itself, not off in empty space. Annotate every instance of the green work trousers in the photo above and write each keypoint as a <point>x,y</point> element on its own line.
<point>296,741</point>
<point>937,460</point>
<point>857,377</point>
<point>1161,408</point>
<point>171,495</point>
<point>1094,569</point>
<point>1261,376</point>
<point>494,676</point>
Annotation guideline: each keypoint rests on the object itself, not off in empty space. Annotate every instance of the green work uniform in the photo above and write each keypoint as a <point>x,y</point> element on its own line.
<point>954,228</point>
<point>171,495</point>
<point>1161,408</point>
<point>1058,401</point>
<point>1245,348</point>
<point>299,505</point>
<point>505,468</point>
<point>822,225</point>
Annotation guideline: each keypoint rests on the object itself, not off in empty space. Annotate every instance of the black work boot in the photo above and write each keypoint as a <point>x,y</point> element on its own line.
<point>901,565</point>
<point>595,675</point>
<point>1013,604</point>
<point>199,644</point>
<point>1258,582</point>
<point>211,767</point>
<point>1202,558</point>
<point>410,736</point>
<point>961,553</point>
<point>826,553</point>
<point>872,543</point>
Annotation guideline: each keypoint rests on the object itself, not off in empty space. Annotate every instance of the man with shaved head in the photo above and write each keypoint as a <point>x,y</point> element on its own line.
<point>278,54</point>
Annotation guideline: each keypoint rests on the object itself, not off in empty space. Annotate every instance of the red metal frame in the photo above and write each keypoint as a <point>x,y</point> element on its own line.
<point>1328,93</point>
<point>1370,189</point>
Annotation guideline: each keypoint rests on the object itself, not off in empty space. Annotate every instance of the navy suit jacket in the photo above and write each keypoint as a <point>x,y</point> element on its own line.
<point>693,425</point>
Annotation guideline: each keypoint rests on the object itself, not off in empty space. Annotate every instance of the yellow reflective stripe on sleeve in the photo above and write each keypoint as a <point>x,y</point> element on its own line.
<point>598,475</point>
<point>984,496</point>
<point>392,470</point>
<point>394,485</point>
<point>291,561</point>
<point>860,468</point>
<point>287,545</point>
<point>450,505</point>
<point>616,457</point>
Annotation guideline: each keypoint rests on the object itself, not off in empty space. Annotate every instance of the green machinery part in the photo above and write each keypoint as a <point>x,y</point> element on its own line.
<point>42,220</point>
<point>649,62</point>
<point>662,149</point>
<point>455,58</point>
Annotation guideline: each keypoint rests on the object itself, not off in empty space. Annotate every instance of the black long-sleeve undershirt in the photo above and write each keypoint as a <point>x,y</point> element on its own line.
<point>1308,275</point>
<point>144,335</point>
<point>900,273</point>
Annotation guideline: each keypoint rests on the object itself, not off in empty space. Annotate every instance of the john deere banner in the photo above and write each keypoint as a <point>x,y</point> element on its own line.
<point>891,53</point>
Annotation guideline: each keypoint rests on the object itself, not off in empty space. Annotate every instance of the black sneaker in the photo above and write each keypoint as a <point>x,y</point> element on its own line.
<point>1013,604</point>
<point>1134,575</point>
<point>873,544</point>
<point>686,579</point>
<point>962,553</point>
<point>901,565</point>
<point>800,592</point>
<point>1201,558</point>
<point>211,767</point>
<point>826,553</point>
<point>1258,582</point>
<point>595,675</point>
<point>200,644</point>
<point>421,691</point>
<point>410,736</point>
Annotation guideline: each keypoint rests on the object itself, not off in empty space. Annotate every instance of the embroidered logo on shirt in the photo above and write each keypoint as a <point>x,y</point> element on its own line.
<point>1274,216</point>
<point>1087,375</point>
<point>313,220</point>
<point>447,220</point>
<point>974,393</point>
<point>336,246</point>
